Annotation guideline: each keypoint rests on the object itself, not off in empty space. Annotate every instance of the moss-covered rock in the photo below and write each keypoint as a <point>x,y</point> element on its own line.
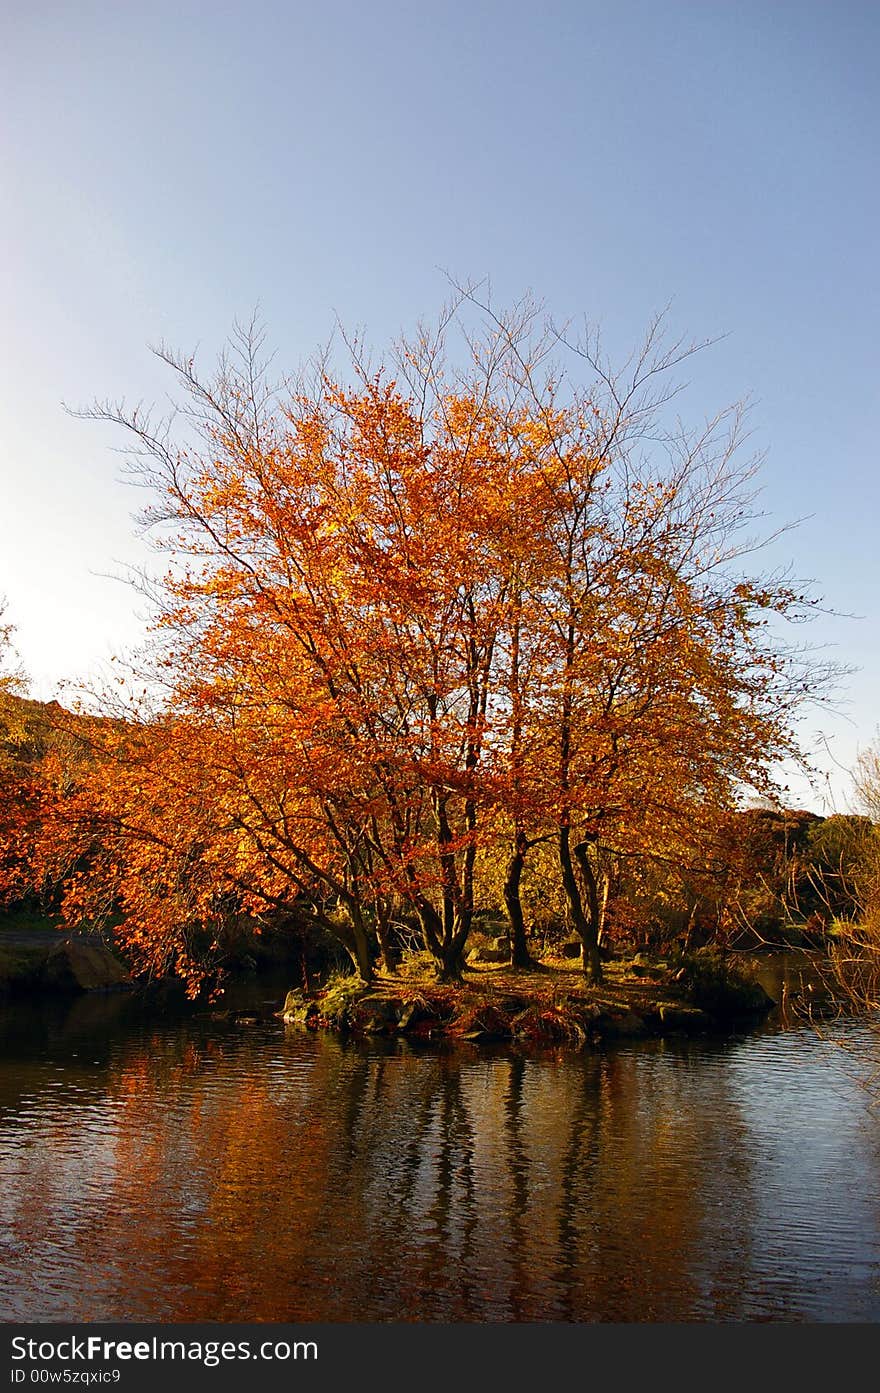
<point>336,1001</point>
<point>298,1009</point>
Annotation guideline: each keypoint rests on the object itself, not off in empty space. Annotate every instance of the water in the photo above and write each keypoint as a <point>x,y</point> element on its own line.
<point>183,1168</point>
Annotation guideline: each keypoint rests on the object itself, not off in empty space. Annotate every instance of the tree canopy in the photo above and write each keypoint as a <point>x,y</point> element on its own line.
<point>479,598</point>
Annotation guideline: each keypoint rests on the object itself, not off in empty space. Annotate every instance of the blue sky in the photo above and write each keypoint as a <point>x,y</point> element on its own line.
<point>165,169</point>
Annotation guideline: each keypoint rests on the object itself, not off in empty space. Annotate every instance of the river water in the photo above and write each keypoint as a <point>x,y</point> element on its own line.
<point>179,1167</point>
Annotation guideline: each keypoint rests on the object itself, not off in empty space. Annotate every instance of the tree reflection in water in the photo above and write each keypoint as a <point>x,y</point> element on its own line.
<point>195,1172</point>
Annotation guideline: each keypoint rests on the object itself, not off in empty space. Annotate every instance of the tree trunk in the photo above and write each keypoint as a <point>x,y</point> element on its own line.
<point>442,943</point>
<point>390,954</point>
<point>445,939</point>
<point>591,952</point>
<point>585,930</point>
<point>450,964</point>
<point>519,953</point>
<point>360,950</point>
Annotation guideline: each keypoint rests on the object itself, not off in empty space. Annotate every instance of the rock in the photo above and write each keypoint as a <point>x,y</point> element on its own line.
<point>497,950</point>
<point>732,998</point>
<point>749,999</point>
<point>336,1003</point>
<point>83,967</point>
<point>415,1012</point>
<point>625,1024</point>
<point>687,1018</point>
<point>298,1009</point>
<point>721,986</point>
<point>375,1016</point>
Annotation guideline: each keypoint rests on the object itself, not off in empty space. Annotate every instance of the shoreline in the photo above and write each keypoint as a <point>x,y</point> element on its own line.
<point>553,1005</point>
<point>641,996</point>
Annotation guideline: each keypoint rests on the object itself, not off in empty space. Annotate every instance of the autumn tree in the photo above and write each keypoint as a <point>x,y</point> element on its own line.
<point>656,691</point>
<point>412,614</point>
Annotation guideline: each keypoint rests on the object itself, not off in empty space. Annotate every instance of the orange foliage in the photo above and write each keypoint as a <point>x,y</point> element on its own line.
<point>409,618</point>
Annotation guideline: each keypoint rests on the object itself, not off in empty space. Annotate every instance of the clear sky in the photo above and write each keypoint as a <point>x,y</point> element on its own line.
<point>167,168</point>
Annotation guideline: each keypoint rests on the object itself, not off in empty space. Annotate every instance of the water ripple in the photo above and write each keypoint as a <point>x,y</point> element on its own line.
<point>191,1172</point>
